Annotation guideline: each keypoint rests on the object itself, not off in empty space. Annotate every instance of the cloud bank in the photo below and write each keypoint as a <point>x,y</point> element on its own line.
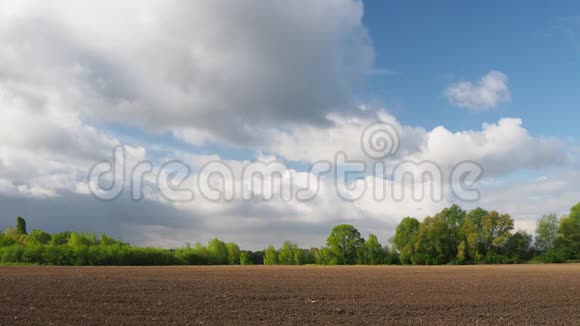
<point>219,68</point>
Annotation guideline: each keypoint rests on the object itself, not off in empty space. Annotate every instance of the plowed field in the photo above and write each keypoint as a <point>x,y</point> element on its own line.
<point>518,294</point>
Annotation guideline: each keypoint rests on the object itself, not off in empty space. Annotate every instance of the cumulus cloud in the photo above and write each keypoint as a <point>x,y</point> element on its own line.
<point>219,67</point>
<point>500,148</point>
<point>491,90</point>
<point>44,148</point>
<point>311,143</point>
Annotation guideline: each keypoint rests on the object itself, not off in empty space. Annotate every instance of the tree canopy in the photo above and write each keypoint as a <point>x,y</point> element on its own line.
<point>344,242</point>
<point>452,236</point>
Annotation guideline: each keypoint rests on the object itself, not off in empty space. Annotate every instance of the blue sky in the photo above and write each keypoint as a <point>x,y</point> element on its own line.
<point>430,44</point>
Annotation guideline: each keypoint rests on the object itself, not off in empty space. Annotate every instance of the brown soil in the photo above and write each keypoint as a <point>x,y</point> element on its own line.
<point>520,294</point>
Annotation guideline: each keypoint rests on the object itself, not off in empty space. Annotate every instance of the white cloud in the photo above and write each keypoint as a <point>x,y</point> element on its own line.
<point>491,90</point>
<point>46,147</point>
<point>219,67</point>
<point>311,143</point>
<point>500,148</point>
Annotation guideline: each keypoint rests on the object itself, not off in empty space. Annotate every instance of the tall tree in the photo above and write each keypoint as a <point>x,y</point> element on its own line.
<point>373,251</point>
<point>519,247</point>
<point>547,232</point>
<point>468,248</point>
<point>476,216</point>
<point>432,246</point>
<point>245,258</point>
<point>569,239</point>
<point>496,229</point>
<point>20,225</point>
<point>309,255</point>
<point>344,242</point>
<point>405,238</point>
<point>289,254</point>
<point>233,253</point>
<point>297,254</point>
<point>218,252</point>
<point>270,256</point>
<point>454,217</point>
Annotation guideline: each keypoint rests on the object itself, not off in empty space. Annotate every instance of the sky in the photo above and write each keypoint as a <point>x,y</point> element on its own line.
<point>534,43</point>
<point>289,82</point>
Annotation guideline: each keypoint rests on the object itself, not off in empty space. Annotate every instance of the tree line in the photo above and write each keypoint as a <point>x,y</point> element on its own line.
<point>452,236</point>
<point>479,236</point>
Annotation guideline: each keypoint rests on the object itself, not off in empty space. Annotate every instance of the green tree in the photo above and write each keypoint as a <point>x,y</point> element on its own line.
<point>405,238</point>
<point>184,256</point>
<point>432,246</point>
<point>454,218</point>
<point>468,248</point>
<point>6,241</point>
<point>290,254</point>
<point>203,253</point>
<point>60,238</point>
<point>373,251</point>
<point>344,242</point>
<point>546,233</point>
<point>568,242</point>
<point>496,230</point>
<point>297,254</point>
<point>233,253</point>
<point>82,239</point>
<point>285,256</point>
<point>270,256</point>
<point>308,255</point>
<point>218,252</point>
<point>519,247</point>
<point>20,225</point>
<point>245,258</point>
<point>257,257</point>
<point>105,240</point>
<point>476,216</point>
<point>38,237</point>
<point>13,234</point>
<point>324,256</point>
<point>391,256</point>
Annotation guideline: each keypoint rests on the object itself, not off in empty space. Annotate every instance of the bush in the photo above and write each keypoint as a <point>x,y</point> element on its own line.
<point>12,254</point>
<point>493,258</point>
<point>56,255</point>
<point>32,254</point>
